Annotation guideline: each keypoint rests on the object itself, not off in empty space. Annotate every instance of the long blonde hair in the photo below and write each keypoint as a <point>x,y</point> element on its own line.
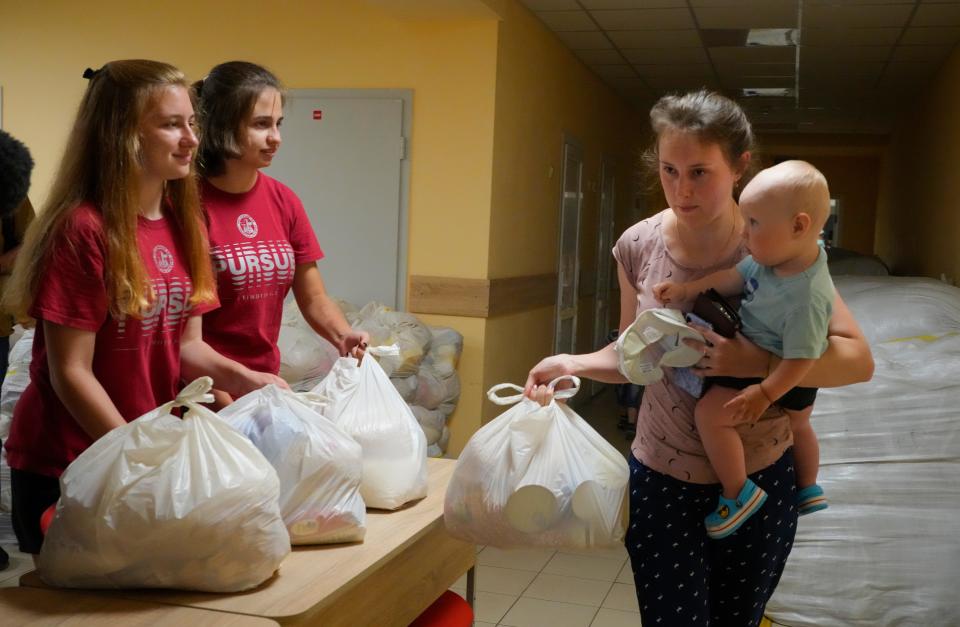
<point>101,165</point>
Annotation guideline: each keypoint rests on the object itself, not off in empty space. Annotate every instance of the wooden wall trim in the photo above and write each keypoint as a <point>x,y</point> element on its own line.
<point>481,298</point>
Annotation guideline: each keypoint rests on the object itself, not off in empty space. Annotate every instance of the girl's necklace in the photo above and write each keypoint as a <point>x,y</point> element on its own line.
<point>723,249</point>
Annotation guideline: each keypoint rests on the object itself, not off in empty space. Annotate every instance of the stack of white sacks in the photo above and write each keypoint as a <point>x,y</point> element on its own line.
<point>424,371</point>
<point>222,497</point>
<point>886,550</point>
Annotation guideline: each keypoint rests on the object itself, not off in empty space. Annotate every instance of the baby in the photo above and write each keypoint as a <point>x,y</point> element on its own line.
<point>787,302</point>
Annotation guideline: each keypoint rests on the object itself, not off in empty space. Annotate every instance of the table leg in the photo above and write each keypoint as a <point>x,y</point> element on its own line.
<point>471,583</point>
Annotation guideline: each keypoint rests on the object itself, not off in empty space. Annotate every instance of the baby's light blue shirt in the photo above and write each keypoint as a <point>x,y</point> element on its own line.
<point>788,316</point>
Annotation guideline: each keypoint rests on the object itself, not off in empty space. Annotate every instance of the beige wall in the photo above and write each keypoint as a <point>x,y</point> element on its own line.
<point>852,165</point>
<point>450,64</point>
<point>918,221</point>
<point>494,92</point>
<point>542,92</point>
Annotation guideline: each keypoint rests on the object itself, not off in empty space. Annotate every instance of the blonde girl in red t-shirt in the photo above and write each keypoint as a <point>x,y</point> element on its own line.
<point>115,270</point>
<point>261,240</point>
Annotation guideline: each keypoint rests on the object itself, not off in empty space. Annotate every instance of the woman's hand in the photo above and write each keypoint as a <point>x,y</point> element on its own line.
<point>728,357</point>
<point>546,371</point>
<point>542,394</point>
<point>353,344</point>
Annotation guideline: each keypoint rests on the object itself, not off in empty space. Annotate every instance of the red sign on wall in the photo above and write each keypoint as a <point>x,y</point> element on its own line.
<point>317,114</point>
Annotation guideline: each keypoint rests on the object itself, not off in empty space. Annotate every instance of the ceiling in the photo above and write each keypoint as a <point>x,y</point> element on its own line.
<point>857,63</point>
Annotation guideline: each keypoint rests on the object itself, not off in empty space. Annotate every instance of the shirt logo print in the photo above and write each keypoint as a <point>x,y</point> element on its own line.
<point>166,313</point>
<point>162,258</point>
<point>247,226</point>
<point>749,289</point>
<point>255,265</point>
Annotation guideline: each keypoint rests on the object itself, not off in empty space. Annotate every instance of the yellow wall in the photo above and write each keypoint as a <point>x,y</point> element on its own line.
<point>449,63</point>
<point>492,98</point>
<point>543,91</point>
<point>852,165</point>
<point>918,222</point>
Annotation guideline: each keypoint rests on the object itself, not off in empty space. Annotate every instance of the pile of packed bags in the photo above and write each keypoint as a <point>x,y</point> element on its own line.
<point>423,370</point>
<point>886,550</point>
<point>538,476</point>
<point>213,502</point>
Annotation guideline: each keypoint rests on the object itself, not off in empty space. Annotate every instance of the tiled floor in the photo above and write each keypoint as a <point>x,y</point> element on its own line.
<point>543,587</point>
<point>20,563</point>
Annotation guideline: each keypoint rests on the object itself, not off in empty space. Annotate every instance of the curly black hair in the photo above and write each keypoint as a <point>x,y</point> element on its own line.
<point>16,164</point>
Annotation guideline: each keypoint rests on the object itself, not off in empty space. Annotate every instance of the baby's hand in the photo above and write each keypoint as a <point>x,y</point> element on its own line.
<point>669,292</point>
<point>748,405</point>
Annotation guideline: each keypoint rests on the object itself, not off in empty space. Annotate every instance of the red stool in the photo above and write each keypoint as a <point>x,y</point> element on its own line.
<point>450,610</point>
<point>46,518</point>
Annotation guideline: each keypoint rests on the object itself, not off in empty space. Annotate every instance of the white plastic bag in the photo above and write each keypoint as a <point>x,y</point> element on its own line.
<point>304,355</point>
<point>16,380</point>
<point>164,502</point>
<point>364,403</point>
<point>319,466</point>
<point>445,348</point>
<point>431,390</point>
<point>406,386</point>
<point>537,476</point>
<point>387,327</point>
<point>432,421</point>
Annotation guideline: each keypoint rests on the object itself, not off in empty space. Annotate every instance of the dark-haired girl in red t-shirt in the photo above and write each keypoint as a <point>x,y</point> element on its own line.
<point>261,240</point>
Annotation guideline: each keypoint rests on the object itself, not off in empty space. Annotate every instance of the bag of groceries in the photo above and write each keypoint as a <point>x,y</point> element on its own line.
<point>363,402</point>
<point>537,476</point>
<point>319,466</point>
<point>167,502</point>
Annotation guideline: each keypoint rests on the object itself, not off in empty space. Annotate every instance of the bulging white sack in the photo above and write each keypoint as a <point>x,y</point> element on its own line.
<point>304,355</point>
<point>537,476</point>
<point>446,345</point>
<point>364,404</point>
<point>319,466</point>
<point>165,502</point>
<point>387,327</point>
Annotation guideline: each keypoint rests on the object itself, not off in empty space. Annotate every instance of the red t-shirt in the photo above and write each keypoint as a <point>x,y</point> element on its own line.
<point>257,239</point>
<point>137,361</point>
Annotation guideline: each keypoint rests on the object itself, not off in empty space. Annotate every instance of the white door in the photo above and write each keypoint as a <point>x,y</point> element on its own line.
<point>343,157</point>
<point>568,265</point>
<point>601,319</point>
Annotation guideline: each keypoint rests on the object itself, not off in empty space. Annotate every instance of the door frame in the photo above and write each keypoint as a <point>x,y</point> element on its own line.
<point>575,144</point>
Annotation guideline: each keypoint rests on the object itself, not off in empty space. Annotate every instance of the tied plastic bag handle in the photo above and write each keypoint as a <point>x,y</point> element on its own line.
<point>393,350</point>
<point>516,398</point>
<point>198,391</point>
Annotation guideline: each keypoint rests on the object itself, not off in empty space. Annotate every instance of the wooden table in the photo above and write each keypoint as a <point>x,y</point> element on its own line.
<point>405,563</point>
<point>49,608</point>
